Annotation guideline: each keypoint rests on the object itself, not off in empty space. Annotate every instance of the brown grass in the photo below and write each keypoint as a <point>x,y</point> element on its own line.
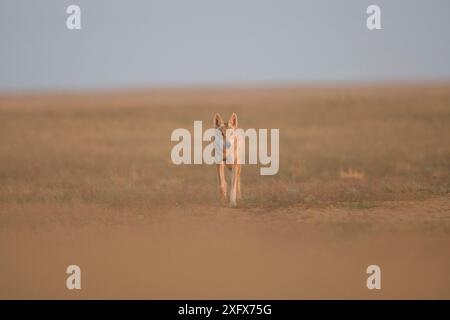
<point>119,156</point>
<point>351,159</point>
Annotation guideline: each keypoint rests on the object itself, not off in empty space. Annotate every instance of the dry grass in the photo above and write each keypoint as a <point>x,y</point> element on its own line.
<point>364,178</point>
<point>114,151</point>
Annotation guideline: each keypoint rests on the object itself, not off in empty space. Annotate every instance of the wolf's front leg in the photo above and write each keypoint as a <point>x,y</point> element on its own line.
<point>233,191</point>
<point>222,181</point>
<point>238,184</point>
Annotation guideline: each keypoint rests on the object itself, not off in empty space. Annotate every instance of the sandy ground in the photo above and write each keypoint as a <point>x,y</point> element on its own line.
<point>214,252</point>
<point>87,180</point>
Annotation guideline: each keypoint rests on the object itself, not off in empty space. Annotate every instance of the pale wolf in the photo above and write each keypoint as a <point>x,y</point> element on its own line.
<point>230,145</point>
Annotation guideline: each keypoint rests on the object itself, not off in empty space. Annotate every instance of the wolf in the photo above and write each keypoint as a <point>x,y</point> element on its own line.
<point>231,149</point>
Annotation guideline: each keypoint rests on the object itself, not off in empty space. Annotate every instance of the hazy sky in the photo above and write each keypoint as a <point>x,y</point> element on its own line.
<point>213,42</point>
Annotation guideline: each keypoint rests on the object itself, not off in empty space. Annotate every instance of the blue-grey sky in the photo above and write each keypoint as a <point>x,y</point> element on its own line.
<point>214,42</point>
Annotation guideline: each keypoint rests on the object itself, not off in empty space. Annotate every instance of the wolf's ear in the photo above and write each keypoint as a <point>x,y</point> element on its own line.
<point>217,120</point>
<point>233,120</point>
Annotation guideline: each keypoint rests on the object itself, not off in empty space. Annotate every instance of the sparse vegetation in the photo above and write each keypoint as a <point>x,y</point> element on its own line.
<point>337,146</point>
<point>364,178</point>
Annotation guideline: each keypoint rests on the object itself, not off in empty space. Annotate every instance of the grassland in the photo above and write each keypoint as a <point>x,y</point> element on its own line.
<point>361,166</point>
